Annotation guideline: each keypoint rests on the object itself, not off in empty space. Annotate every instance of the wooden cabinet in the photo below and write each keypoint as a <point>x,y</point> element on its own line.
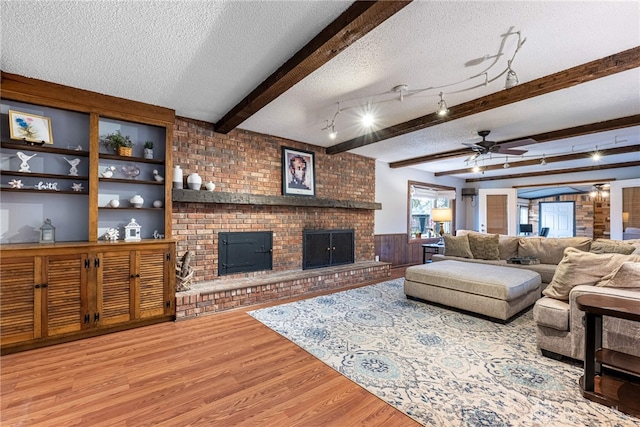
<point>82,284</point>
<point>65,293</point>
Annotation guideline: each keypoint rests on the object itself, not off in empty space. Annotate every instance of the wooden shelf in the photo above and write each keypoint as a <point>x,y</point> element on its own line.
<point>131,159</point>
<point>14,145</point>
<point>218,197</point>
<point>615,392</point>
<point>627,363</point>
<point>45,175</point>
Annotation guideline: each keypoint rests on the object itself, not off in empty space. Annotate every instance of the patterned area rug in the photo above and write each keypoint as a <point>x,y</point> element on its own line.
<point>438,366</point>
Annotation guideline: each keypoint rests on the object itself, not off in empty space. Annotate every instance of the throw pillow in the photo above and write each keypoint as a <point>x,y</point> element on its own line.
<point>457,246</point>
<point>604,247</point>
<point>484,246</point>
<point>625,276</point>
<point>583,268</point>
<point>551,250</point>
<point>508,246</point>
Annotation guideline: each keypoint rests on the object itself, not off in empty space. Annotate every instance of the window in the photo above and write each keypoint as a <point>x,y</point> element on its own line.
<point>423,198</point>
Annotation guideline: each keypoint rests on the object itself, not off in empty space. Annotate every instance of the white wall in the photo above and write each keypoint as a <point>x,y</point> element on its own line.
<point>391,190</point>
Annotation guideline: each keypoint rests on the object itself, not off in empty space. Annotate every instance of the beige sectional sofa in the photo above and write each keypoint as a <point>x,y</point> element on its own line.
<point>589,266</point>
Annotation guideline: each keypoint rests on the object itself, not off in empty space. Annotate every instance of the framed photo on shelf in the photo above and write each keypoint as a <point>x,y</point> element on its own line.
<point>30,128</point>
<point>298,172</point>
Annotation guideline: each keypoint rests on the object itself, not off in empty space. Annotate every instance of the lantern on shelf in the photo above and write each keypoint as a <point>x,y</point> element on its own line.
<point>47,232</point>
<point>132,231</point>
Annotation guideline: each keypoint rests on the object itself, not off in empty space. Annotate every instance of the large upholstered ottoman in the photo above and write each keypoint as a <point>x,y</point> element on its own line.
<point>490,290</point>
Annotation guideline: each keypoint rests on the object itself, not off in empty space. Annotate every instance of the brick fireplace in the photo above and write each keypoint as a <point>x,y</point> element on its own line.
<point>246,163</point>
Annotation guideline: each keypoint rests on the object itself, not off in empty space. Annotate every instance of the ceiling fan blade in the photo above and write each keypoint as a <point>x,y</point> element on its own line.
<point>472,158</point>
<point>518,143</point>
<point>510,151</point>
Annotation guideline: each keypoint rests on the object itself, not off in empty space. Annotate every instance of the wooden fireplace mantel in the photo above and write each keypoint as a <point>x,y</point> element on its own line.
<point>219,197</point>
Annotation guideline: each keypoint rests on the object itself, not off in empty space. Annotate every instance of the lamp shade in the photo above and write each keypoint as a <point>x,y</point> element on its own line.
<point>441,214</point>
<point>625,216</point>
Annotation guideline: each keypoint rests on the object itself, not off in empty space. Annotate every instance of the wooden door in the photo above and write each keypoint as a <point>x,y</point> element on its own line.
<point>20,318</point>
<point>151,282</point>
<point>64,293</point>
<point>114,287</point>
<point>498,211</point>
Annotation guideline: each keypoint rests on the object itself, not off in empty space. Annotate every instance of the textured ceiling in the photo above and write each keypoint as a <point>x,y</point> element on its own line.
<point>203,57</point>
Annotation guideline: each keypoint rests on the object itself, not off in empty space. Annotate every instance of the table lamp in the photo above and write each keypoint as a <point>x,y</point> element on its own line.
<point>441,215</point>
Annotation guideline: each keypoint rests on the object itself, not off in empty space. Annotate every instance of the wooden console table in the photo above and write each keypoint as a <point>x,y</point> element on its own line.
<point>621,392</point>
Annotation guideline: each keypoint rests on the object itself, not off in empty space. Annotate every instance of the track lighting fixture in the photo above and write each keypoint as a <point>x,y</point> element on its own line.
<point>491,72</point>
<point>596,156</point>
<point>475,168</point>
<point>442,106</point>
<point>543,161</point>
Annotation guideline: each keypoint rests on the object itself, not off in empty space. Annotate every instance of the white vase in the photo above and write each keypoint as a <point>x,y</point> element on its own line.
<point>177,177</point>
<point>148,153</point>
<point>194,181</point>
<point>157,204</point>
<point>210,186</point>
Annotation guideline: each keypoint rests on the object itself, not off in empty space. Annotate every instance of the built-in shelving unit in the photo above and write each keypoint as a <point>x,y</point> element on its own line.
<point>83,284</point>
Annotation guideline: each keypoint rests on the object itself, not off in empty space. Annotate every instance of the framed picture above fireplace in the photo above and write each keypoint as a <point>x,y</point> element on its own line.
<point>298,172</point>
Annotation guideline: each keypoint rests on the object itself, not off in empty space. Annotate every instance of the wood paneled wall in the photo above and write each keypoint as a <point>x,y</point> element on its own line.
<point>398,250</point>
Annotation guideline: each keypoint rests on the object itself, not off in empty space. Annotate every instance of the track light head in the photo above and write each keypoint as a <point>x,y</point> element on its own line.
<point>512,77</point>
<point>442,106</point>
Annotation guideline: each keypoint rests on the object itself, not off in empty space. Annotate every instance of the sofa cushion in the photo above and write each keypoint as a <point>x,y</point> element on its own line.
<point>484,246</point>
<point>457,246</point>
<point>551,313</point>
<point>582,268</point>
<point>546,271</point>
<point>627,275</point>
<point>508,246</point>
<point>550,250</point>
<point>603,247</point>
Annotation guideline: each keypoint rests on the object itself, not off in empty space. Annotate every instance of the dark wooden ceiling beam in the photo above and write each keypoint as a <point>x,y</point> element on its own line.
<point>582,130</point>
<point>553,159</point>
<point>593,70</point>
<point>360,18</point>
<point>558,171</point>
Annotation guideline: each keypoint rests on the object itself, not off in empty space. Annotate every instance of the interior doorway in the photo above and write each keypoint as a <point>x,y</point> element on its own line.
<point>559,217</point>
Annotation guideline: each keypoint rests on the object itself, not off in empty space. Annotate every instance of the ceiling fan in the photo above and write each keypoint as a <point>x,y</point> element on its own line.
<point>487,147</point>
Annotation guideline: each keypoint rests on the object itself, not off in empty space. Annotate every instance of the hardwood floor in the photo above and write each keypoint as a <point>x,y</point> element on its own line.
<point>225,369</point>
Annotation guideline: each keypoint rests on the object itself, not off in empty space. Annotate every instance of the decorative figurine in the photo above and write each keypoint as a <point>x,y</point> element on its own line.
<point>157,176</point>
<point>111,234</point>
<point>132,231</point>
<point>73,163</point>
<point>132,171</point>
<point>157,235</point>
<point>47,232</point>
<point>16,183</point>
<point>24,166</point>
<point>108,172</point>
<point>77,186</point>
<point>114,203</point>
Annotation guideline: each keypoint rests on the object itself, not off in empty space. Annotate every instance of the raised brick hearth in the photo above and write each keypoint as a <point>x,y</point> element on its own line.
<point>224,294</point>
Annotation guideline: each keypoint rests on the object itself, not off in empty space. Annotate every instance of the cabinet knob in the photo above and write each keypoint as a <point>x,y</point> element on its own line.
<point>37,286</point>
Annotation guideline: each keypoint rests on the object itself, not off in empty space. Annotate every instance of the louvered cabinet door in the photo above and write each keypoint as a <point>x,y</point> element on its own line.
<point>64,293</point>
<point>20,318</point>
<point>114,287</point>
<point>153,270</point>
